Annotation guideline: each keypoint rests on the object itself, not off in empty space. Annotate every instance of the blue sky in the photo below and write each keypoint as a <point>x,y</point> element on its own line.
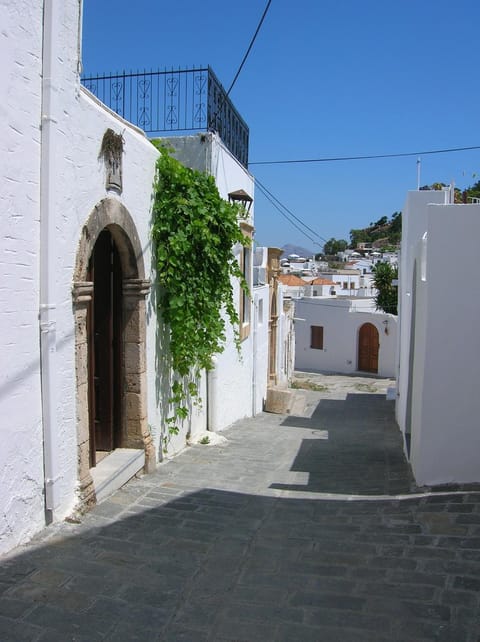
<point>325,78</point>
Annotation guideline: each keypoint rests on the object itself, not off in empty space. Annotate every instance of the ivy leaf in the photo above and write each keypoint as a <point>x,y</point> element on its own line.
<point>194,232</point>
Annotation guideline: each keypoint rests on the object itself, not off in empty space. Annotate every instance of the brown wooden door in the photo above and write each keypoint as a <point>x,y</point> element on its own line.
<point>104,325</point>
<point>368,345</point>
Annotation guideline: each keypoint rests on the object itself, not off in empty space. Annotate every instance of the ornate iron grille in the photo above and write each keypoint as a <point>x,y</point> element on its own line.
<point>174,101</point>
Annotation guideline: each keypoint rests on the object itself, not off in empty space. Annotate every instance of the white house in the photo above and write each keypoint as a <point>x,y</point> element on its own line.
<point>299,265</point>
<point>292,285</point>
<point>346,282</point>
<point>438,405</point>
<point>81,348</point>
<point>365,265</point>
<point>344,335</point>
<point>321,287</point>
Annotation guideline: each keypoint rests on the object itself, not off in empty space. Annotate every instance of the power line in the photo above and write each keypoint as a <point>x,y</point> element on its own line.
<point>289,215</point>
<point>284,207</point>
<point>288,219</point>
<point>351,158</point>
<point>250,46</point>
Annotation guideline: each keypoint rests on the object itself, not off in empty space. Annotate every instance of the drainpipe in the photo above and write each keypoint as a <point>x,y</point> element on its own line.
<point>212,381</point>
<point>47,314</point>
<point>254,357</point>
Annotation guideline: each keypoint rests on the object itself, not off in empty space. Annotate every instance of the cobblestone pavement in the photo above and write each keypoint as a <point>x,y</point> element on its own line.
<point>293,529</point>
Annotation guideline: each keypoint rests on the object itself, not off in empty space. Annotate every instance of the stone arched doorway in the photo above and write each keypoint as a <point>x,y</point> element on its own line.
<point>109,293</point>
<point>105,354</point>
<point>368,348</point>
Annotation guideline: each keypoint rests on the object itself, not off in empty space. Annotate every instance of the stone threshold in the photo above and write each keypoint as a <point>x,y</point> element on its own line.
<point>115,470</point>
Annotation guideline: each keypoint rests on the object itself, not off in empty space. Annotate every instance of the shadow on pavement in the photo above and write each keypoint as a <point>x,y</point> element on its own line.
<point>363,454</point>
<point>217,565</point>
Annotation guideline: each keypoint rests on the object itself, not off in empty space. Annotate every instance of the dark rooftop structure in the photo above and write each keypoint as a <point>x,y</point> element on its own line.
<point>176,101</point>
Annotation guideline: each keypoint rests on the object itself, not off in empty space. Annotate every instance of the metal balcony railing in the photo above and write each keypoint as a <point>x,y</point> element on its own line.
<point>181,101</point>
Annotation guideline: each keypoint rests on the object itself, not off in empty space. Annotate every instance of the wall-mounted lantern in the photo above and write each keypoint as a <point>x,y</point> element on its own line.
<point>240,196</point>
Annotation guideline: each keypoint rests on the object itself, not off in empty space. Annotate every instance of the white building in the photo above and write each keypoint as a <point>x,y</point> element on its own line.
<point>345,335</point>
<point>438,405</point>
<point>292,285</point>
<point>80,344</point>
<point>321,287</point>
<point>349,282</point>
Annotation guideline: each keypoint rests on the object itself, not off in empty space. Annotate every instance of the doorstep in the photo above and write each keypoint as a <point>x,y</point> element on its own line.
<point>115,470</point>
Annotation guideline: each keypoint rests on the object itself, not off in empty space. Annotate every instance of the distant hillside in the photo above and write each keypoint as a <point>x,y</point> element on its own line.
<point>296,249</point>
<point>383,232</point>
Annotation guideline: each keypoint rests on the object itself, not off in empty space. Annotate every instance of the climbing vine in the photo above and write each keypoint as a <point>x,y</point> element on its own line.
<point>194,232</point>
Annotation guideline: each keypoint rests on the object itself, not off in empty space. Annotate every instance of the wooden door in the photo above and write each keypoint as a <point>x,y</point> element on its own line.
<point>104,323</point>
<point>368,345</point>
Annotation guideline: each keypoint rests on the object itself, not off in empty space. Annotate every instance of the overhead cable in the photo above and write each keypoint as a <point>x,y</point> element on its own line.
<point>249,46</point>
<point>284,207</point>
<point>352,158</point>
<point>289,215</point>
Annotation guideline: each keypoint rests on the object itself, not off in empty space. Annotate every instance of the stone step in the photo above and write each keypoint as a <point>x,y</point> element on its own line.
<point>116,470</point>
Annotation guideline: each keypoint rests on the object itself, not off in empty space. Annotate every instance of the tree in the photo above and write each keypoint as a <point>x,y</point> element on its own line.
<point>358,236</point>
<point>387,293</point>
<point>334,246</point>
<point>396,222</point>
<point>471,192</point>
<point>381,222</point>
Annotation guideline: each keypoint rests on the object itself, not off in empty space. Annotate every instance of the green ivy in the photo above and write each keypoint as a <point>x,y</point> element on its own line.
<point>194,233</point>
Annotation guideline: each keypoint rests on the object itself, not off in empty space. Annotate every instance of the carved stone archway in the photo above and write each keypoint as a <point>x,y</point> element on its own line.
<point>110,214</point>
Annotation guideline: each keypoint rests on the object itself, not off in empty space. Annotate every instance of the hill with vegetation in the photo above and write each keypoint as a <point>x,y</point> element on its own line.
<point>386,233</point>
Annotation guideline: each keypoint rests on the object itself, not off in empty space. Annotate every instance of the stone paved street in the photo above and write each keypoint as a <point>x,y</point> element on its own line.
<point>293,529</point>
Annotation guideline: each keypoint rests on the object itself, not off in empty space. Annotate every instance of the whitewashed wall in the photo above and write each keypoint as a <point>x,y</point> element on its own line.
<point>83,181</point>
<point>285,351</point>
<point>444,367</point>
<point>21,457</point>
<point>261,300</point>
<point>341,320</point>
<point>414,225</point>
<point>77,124</point>
<point>81,122</point>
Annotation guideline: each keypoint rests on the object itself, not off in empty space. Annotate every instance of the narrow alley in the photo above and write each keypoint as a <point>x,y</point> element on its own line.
<point>283,528</point>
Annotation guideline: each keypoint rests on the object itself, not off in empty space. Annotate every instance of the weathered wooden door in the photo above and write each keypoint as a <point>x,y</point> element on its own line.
<point>104,324</point>
<point>368,345</point>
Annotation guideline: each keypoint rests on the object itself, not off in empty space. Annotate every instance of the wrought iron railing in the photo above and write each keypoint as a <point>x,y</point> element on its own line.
<point>179,101</point>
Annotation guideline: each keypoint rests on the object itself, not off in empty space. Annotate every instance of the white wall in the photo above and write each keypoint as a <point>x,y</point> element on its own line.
<point>285,351</point>
<point>261,300</point>
<point>21,451</point>
<point>414,217</point>
<point>80,186</point>
<point>341,320</point>
<point>77,126</point>
<point>445,404</point>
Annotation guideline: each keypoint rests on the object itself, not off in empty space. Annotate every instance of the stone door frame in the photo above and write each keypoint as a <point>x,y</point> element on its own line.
<point>112,215</point>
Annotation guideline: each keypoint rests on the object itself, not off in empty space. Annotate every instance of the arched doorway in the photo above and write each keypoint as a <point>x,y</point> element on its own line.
<point>105,340</point>
<point>109,293</point>
<point>368,346</point>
